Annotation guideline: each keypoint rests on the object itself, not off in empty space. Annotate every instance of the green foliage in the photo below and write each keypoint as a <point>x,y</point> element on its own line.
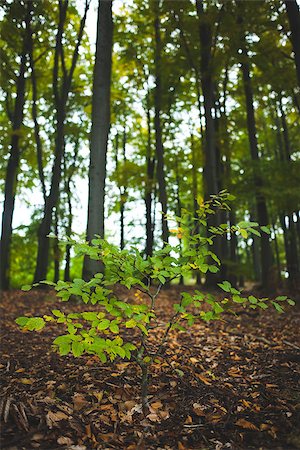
<point>99,332</point>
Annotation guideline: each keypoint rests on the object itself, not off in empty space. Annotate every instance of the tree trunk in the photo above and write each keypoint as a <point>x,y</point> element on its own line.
<point>99,131</point>
<point>261,206</point>
<point>56,249</point>
<point>160,169</point>
<point>210,176</point>
<point>38,141</point>
<point>293,14</point>
<point>11,178</point>
<point>150,165</point>
<point>61,95</point>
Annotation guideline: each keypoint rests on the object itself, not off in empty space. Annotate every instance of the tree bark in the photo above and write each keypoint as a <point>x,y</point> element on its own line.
<point>99,131</point>
<point>12,168</point>
<point>293,14</point>
<point>160,168</point>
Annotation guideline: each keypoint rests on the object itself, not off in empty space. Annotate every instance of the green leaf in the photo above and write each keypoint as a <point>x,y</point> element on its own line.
<point>77,348</point>
<point>114,328</point>
<point>278,307</point>
<point>26,287</point>
<point>104,324</point>
<point>255,232</point>
<point>237,299</point>
<point>252,299</point>
<point>35,323</point>
<point>244,233</point>
<point>281,298</point>
<point>90,316</point>
<point>57,313</point>
<point>226,286</point>
<point>22,321</point>
<point>291,302</point>
<point>130,323</point>
<point>265,229</point>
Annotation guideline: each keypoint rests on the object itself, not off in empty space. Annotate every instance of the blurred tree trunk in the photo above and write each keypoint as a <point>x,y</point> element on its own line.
<point>293,14</point>
<point>160,168</point>
<point>99,131</point>
<point>56,249</point>
<point>12,168</point>
<point>261,205</point>
<point>210,169</point>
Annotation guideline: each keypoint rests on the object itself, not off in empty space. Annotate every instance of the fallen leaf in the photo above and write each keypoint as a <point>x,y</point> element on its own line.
<point>156,405</point>
<point>98,395</point>
<point>198,409</point>
<point>188,420</point>
<point>53,417</point>
<point>246,425</point>
<point>64,440</point>
<point>26,380</point>
<point>203,379</point>
<point>79,402</point>
<point>154,417</point>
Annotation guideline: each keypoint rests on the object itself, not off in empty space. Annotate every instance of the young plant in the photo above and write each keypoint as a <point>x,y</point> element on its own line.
<point>100,332</point>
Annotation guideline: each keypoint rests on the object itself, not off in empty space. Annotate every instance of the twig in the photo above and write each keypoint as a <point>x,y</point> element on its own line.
<point>291,344</point>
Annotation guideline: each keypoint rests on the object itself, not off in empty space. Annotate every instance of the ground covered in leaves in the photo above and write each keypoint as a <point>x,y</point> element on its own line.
<point>231,384</point>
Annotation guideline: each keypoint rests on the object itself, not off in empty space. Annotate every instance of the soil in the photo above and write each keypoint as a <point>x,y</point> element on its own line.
<point>230,384</point>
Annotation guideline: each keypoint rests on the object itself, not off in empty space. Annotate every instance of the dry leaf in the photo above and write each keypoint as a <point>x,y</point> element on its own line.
<point>129,404</point>
<point>154,417</point>
<point>203,379</point>
<point>188,420</point>
<point>98,395</point>
<point>53,417</point>
<point>79,402</point>
<point>156,405</point>
<point>246,425</point>
<point>164,415</point>
<point>64,440</point>
<point>26,380</point>
<point>198,409</point>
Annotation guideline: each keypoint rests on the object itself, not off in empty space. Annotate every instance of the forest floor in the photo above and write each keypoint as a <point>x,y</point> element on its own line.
<point>231,384</point>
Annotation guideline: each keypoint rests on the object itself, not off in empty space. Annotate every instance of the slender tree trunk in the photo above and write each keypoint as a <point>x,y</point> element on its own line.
<point>34,110</point>
<point>290,231</point>
<point>61,95</point>
<point>150,165</point>
<point>99,131</point>
<point>261,206</point>
<point>278,265</point>
<point>68,174</point>
<point>293,14</point>
<point>121,185</point>
<point>210,176</point>
<point>160,169</point>
<point>56,249</point>
<point>11,178</point>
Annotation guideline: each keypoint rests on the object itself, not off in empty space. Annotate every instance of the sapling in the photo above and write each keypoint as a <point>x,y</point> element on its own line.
<point>100,332</point>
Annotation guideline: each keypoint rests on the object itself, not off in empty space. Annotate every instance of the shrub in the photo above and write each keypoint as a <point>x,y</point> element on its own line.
<point>99,332</point>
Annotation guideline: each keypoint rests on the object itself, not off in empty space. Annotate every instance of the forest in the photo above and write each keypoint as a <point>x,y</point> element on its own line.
<point>150,189</point>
